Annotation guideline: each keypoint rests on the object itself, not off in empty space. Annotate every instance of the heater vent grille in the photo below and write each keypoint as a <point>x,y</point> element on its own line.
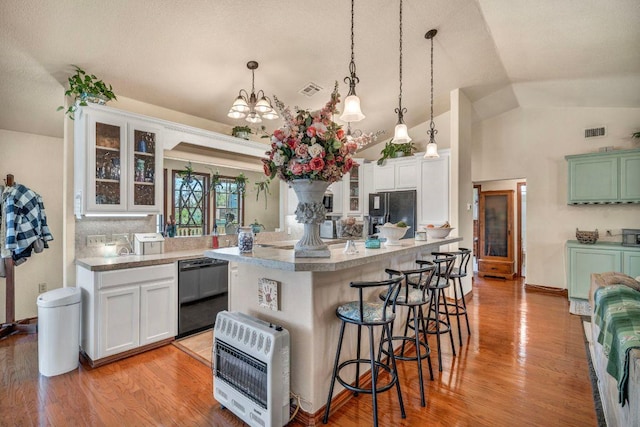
<point>595,132</point>
<point>310,89</point>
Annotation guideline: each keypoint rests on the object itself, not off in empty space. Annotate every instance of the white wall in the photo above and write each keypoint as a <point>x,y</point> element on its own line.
<point>36,162</point>
<point>531,143</point>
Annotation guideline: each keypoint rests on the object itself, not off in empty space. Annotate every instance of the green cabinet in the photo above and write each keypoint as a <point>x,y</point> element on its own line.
<point>598,258</point>
<point>607,177</point>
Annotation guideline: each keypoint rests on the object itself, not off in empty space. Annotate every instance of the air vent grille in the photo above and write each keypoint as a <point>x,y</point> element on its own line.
<point>595,132</point>
<point>310,89</point>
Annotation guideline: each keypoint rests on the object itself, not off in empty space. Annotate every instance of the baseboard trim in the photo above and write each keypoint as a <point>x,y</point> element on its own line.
<point>546,289</point>
<point>105,360</point>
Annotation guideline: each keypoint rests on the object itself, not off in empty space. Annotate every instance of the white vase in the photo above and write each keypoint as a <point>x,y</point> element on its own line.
<point>310,212</point>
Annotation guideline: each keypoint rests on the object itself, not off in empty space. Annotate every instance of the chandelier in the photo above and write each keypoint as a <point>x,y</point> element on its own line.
<point>252,107</point>
<point>432,147</point>
<point>400,135</point>
<point>352,111</point>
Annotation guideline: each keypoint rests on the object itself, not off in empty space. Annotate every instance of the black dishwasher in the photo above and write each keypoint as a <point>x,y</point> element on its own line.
<point>202,293</point>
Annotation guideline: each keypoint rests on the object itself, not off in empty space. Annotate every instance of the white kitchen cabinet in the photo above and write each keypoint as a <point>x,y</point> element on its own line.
<point>128,310</point>
<point>433,190</point>
<point>118,163</point>
<point>396,174</point>
<point>384,177</point>
<point>336,188</point>
<point>353,189</point>
<point>367,185</point>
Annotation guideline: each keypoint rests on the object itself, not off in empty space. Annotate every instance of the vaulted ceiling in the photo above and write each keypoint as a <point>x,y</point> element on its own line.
<point>191,56</point>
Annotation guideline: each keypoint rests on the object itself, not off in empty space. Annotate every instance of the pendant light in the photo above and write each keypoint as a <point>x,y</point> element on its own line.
<point>432,147</point>
<point>400,135</point>
<point>352,111</point>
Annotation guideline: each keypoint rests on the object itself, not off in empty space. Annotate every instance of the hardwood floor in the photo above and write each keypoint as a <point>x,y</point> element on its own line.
<point>525,364</point>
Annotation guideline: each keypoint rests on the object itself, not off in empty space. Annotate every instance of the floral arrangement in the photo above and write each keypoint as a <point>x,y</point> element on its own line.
<point>310,145</point>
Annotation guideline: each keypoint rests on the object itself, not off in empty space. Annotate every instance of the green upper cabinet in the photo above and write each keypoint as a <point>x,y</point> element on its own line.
<point>630,177</point>
<point>608,177</point>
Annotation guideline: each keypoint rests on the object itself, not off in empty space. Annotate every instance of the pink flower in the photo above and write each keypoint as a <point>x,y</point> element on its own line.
<point>311,131</point>
<point>302,151</point>
<point>278,134</point>
<point>348,164</point>
<point>306,168</point>
<point>296,168</point>
<point>352,147</point>
<point>316,164</point>
<point>266,166</point>
<point>340,134</point>
<point>291,142</point>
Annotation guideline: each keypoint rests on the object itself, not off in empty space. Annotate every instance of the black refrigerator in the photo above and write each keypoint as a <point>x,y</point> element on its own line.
<point>393,206</point>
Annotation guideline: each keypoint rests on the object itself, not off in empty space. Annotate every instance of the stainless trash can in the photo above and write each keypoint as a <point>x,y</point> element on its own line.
<point>58,331</point>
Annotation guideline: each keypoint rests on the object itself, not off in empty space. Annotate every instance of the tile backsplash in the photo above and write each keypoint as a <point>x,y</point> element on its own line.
<point>107,227</point>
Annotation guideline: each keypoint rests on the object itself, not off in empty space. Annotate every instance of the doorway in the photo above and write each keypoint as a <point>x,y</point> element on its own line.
<point>519,208</point>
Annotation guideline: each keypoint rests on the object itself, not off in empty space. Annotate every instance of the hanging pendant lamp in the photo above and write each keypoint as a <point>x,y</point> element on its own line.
<point>432,147</point>
<point>352,111</point>
<point>400,135</point>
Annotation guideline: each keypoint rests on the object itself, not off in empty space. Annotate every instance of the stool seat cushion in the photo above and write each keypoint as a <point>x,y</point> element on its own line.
<point>372,312</point>
<point>416,297</point>
<point>439,283</point>
<point>456,273</point>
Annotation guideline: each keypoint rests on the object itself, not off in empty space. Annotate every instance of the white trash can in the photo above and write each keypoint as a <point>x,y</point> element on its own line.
<point>58,331</point>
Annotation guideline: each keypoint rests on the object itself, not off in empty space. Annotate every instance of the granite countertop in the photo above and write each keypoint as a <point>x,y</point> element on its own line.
<point>284,259</point>
<point>131,261</point>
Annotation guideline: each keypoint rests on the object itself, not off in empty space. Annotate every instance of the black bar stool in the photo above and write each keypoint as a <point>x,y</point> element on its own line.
<point>456,308</point>
<point>438,303</point>
<point>414,294</point>
<point>369,314</point>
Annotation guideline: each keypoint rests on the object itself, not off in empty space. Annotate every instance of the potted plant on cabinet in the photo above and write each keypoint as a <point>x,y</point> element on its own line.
<point>86,88</point>
<point>396,150</point>
<point>241,132</point>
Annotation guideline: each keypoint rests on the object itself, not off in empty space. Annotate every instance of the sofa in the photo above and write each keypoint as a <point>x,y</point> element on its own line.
<point>616,414</point>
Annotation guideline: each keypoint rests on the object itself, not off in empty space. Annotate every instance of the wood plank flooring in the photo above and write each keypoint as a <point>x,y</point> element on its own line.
<point>524,365</point>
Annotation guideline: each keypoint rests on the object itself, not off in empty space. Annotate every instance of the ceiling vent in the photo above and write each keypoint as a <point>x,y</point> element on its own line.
<point>310,89</point>
<point>595,132</point>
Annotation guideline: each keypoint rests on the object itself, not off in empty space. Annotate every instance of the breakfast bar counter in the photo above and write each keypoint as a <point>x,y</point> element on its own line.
<point>308,292</point>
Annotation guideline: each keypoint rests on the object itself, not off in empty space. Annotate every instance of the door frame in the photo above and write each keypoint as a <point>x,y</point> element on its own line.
<point>519,226</point>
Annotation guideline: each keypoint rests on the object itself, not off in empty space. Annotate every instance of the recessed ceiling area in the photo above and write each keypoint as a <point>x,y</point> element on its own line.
<point>191,57</point>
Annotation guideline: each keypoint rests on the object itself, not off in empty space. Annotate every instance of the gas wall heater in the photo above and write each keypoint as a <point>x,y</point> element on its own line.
<point>251,369</point>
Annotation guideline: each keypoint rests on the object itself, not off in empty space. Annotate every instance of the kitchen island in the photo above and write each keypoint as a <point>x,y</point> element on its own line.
<point>308,292</point>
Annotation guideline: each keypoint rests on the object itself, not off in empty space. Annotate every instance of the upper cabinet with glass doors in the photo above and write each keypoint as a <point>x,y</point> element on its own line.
<point>118,164</point>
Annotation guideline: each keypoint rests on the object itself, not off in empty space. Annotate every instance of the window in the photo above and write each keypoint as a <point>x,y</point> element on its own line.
<point>191,203</point>
<point>229,207</point>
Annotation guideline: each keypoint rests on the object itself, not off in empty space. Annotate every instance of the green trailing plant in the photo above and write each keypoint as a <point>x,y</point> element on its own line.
<point>85,87</point>
<point>216,184</point>
<point>241,183</point>
<point>391,150</point>
<point>262,187</point>
<point>187,172</point>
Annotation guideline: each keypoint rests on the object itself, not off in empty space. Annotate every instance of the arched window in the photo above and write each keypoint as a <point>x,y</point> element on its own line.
<point>190,207</point>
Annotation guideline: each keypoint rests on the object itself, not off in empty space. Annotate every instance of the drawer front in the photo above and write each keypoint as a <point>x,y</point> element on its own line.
<point>495,267</point>
<point>109,279</point>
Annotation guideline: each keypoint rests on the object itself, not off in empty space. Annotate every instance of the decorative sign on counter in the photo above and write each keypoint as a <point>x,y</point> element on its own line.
<point>268,294</point>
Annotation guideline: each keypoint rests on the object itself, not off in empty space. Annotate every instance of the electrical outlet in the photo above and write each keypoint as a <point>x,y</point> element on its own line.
<point>42,288</point>
<point>96,240</point>
<point>121,238</point>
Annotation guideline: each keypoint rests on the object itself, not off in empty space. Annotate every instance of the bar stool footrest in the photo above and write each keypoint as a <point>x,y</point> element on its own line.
<point>379,389</point>
<point>424,353</point>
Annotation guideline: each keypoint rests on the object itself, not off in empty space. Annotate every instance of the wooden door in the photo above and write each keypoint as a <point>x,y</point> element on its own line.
<point>496,234</point>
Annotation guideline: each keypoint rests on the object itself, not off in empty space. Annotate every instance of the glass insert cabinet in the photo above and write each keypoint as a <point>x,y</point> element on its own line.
<point>118,163</point>
<point>496,237</point>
